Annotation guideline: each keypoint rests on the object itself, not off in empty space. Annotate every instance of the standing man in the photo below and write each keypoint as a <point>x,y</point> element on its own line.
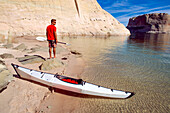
<point>52,37</point>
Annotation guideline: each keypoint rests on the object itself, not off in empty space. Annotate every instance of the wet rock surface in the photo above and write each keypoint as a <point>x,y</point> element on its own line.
<point>78,54</point>
<point>75,52</point>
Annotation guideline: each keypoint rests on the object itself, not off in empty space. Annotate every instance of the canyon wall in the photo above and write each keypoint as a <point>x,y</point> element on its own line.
<point>74,17</point>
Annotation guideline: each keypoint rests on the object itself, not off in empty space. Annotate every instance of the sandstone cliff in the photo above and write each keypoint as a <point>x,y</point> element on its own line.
<point>74,17</point>
<point>150,23</point>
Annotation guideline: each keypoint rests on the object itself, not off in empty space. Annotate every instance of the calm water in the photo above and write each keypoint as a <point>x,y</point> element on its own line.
<point>139,63</point>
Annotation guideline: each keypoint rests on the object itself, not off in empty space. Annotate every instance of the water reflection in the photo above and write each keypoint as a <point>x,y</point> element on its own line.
<point>94,47</point>
<point>156,42</point>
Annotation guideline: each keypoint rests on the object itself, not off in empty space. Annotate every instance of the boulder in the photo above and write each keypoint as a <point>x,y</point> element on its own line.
<point>6,55</point>
<point>150,23</point>
<point>30,59</point>
<point>5,78</point>
<point>51,64</point>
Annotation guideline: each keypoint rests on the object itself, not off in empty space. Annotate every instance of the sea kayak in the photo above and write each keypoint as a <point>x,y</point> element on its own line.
<point>69,84</point>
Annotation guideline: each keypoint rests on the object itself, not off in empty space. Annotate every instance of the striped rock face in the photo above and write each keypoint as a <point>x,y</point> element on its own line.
<point>74,17</point>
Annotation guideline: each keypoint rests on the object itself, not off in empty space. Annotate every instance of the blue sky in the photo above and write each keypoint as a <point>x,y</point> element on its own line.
<point>122,10</point>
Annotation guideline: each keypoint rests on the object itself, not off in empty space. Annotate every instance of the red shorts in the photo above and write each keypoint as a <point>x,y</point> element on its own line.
<point>52,43</point>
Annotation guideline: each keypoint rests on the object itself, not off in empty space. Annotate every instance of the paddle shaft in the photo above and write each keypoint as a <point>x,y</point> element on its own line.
<point>45,39</point>
<point>62,42</point>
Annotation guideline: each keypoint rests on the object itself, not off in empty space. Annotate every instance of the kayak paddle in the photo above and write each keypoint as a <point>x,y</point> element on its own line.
<point>45,39</point>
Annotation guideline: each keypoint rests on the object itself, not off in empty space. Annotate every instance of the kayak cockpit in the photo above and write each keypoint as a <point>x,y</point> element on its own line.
<point>69,80</point>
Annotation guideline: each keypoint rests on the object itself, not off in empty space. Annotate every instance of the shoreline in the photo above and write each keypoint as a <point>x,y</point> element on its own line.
<point>25,96</point>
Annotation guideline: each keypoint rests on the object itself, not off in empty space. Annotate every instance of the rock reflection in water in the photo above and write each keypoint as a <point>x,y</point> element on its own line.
<point>156,42</point>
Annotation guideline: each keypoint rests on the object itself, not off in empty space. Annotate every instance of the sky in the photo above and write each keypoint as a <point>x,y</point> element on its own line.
<point>122,10</point>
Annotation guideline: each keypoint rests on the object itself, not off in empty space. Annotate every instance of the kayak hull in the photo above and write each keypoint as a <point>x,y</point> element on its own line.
<point>74,85</point>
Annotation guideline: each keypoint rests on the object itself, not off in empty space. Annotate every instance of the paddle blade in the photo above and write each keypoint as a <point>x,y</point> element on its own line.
<point>41,38</point>
<point>68,44</point>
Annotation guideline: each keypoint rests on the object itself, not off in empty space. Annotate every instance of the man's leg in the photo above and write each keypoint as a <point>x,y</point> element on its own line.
<point>50,52</point>
<point>54,51</point>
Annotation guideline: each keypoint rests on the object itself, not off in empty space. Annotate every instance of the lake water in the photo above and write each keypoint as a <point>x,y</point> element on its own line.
<point>139,63</point>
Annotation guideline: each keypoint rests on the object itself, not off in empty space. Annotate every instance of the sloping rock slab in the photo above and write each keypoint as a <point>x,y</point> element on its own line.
<point>46,49</point>
<point>38,48</point>
<point>6,55</point>
<point>21,47</point>
<point>51,64</point>
<point>31,59</point>
<point>7,46</point>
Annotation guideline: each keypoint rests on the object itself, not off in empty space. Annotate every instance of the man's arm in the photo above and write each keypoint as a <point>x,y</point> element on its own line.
<point>55,36</point>
<point>47,35</point>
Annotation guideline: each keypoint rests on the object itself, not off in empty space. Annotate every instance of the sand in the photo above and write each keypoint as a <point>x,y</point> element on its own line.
<point>23,96</point>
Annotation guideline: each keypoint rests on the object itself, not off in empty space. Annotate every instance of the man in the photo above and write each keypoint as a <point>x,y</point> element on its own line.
<point>52,37</point>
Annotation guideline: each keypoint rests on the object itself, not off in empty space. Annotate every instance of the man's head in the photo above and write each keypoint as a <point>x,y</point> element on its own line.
<point>53,21</point>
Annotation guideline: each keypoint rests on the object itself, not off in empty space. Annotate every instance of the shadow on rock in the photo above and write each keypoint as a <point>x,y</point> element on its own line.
<point>30,59</point>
